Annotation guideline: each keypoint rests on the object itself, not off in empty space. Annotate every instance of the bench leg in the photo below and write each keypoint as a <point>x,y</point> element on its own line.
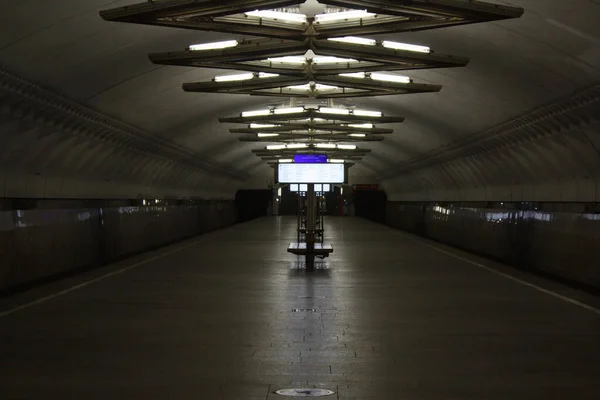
<point>310,262</point>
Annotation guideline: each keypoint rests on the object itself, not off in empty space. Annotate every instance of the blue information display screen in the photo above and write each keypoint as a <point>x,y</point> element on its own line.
<point>310,158</point>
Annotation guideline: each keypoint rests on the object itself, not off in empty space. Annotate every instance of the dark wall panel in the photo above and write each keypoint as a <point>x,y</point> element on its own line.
<point>370,204</point>
<point>42,243</point>
<point>563,244</point>
<point>252,204</point>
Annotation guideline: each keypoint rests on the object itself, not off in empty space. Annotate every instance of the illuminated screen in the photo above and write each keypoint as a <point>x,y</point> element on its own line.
<point>311,173</point>
<point>304,187</point>
<point>310,158</point>
<point>319,187</point>
<point>294,187</point>
<point>326,187</point>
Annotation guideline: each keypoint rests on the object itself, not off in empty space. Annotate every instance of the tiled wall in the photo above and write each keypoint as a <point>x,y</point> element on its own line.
<point>40,243</point>
<point>565,244</point>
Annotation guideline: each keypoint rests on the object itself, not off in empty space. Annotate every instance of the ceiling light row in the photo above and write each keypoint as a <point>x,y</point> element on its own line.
<point>332,160</point>
<point>317,145</point>
<point>324,110</point>
<point>319,18</point>
<point>319,59</point>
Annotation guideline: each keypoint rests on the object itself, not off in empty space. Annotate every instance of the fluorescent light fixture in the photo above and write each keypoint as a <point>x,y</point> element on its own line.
<point>405,46</point>
<point>360,75</point>
<point>258,126</point>
<point>267,134</point>
<point>325,146</point>
<point>266,75</point>
<point>279,192</point>
<point>390,78</point>
<point>364,126</point>
<point>284,16</point>
<point>358,135</point>
<point>285,160</point>
<point>214,46</point>
<point>230,78</point>
<point>276,147</point>
<point>318,86</point>
<point>292,110</point>
<point>255,113</point>
<point>336,16</point>
<point>297,146</point>
<point>288,60</point>
<point>337,111</point>
<point>337,161</point>
<point>378,76</point>
<point>365,113</point>
<point>346,147</point>
<point>355,40</point>
<point>332,60</point>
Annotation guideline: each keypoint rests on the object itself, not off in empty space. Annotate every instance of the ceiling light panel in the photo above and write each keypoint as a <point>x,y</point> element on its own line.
<point>258,18</point>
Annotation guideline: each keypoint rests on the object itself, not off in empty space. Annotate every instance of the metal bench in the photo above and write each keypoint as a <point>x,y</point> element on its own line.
<point>320,249</point>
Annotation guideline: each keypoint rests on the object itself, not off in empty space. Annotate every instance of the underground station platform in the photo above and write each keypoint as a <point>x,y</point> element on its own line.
<point>233,315</point>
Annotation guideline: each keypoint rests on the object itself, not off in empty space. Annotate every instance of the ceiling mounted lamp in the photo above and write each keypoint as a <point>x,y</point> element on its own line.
<point>313,57</point>
<point>294,137</point>
<point>277,18</point>
<point>331,117</point>
<point>329,87</point>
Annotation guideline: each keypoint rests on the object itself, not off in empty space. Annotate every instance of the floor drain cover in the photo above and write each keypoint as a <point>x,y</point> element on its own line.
<point>304,392</point>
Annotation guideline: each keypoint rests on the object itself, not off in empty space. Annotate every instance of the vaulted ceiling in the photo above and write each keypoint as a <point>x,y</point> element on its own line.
<point>516,66</point>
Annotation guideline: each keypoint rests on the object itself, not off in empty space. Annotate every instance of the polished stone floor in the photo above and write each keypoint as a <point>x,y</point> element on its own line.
<point>234,316</point>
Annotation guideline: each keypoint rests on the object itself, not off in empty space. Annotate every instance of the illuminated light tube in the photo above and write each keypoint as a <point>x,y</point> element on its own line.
<point>267,134</point>
<point>360,75</point>
<point>354,14</point>
<point>390,78</point>
<point>288,60</point>
<point>214,46</point>
<point>337,161</point>
<point>325,146</point>
<point>255,113</point>
<point>286,160</point>
<point>355,40</point>
<point>296,146</point>
<point>346,147</point>
<point>230,78</point>
<point>318,86</point>
<point>405,46</point>
<point>266,75</point>
<point>258,126</point>
<point>284,16</point>
<point>358,135</point>
<point>276,147</point>
<point>365,113</point>
<point>337,111</point>
<point>292,110</point>
<point>332,60</point>
<point>378,76</point>
<point>365,126</point>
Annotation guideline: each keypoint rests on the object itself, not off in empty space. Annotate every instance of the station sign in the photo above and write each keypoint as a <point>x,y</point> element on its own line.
<point>310,158</point>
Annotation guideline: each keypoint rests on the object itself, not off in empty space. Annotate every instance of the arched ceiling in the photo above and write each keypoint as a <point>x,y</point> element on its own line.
<point>516,66</point>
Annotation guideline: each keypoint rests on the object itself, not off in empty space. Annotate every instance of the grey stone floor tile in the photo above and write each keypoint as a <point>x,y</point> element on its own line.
<point>219,320</point>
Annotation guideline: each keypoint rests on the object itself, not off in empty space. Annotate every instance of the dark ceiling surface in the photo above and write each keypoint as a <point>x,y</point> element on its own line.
<point>516,66</point>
